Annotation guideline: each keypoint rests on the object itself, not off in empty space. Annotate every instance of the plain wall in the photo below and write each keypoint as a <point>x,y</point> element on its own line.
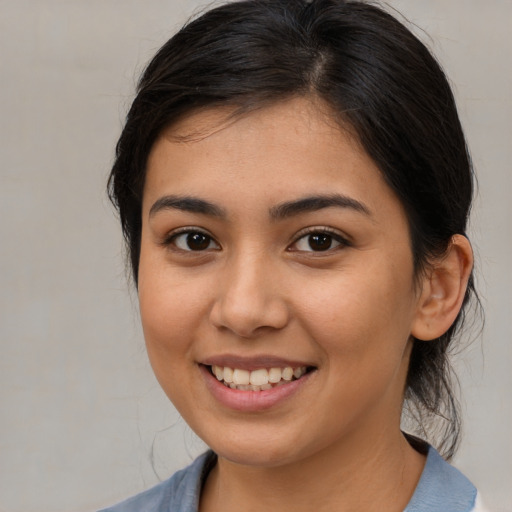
<point>83,421</point>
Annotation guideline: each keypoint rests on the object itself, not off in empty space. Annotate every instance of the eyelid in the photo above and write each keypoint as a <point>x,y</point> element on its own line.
<point>336,235</point>
<point>172,235</point>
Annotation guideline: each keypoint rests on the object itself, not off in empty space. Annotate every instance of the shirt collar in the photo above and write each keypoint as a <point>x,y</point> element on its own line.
<point>441,487</point>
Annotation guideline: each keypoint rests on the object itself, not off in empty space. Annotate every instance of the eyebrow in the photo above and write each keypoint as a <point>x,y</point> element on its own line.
<point>187,204</point>
<point>315,203</point>
<point>279,212</point>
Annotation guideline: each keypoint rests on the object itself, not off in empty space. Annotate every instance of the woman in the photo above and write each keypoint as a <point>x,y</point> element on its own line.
<point>294,186</point>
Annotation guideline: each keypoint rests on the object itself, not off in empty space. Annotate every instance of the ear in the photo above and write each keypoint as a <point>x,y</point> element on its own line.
<point>443,289</point>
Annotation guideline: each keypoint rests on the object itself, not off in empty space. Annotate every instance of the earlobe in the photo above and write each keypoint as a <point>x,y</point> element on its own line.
<point>443,290</point>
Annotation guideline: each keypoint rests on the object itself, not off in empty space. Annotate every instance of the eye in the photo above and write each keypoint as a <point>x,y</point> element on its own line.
<point>193,241</point>
<point>319,241</point>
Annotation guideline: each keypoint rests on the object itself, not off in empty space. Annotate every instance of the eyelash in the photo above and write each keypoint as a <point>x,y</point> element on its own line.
<point>170,240</point>
<point>321,230</point>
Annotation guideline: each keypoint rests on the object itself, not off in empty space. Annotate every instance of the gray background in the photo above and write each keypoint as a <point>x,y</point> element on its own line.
<point>82,417</point>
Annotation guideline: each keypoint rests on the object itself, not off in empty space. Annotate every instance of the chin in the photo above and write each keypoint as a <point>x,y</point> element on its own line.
<point>252,447</point>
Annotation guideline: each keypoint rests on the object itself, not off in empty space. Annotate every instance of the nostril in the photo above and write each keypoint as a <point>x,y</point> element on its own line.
<point>248,309</point>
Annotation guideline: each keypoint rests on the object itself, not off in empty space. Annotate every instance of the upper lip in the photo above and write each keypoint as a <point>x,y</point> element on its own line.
<point>252,362</point>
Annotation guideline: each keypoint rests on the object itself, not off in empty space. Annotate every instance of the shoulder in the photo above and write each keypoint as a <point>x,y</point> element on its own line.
<point>180,493</point>
<point>443,487</point>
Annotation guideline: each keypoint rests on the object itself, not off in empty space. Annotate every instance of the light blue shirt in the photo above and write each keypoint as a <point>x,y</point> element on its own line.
<point>441,488</point>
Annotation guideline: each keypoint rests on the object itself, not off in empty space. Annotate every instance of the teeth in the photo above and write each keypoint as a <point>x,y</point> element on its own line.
<point>219,372</point>
<point>241,377</point>
<point>256,380</point>
<point>287,373</point>
<point>228,374</point>
<point>274,375</point>
<point>259,377</point>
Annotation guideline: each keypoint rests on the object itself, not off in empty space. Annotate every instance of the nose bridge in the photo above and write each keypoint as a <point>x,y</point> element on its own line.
<point>249,297</point>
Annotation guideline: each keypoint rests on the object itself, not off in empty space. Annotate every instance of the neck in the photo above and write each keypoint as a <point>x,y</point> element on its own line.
<point>362,474</point>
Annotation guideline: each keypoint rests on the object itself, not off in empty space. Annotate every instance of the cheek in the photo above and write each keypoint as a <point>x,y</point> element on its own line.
<point>169,315</point>
<point>362,331</point>
<point>359,315</point>
<point>172,308</point>
<point>168,321</point>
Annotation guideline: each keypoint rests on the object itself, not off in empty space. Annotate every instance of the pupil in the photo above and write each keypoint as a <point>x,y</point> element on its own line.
<point>320,242</point>
<point>198,241</point>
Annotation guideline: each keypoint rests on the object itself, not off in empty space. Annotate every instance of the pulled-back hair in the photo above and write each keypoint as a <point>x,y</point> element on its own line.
<point>377,78</point>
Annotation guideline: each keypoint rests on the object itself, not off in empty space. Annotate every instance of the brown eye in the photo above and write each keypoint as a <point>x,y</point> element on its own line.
<point>319,241</point>
<point>194,241</point>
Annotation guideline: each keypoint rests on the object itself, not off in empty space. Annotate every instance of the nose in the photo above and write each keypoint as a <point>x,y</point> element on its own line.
<point>249,300</point>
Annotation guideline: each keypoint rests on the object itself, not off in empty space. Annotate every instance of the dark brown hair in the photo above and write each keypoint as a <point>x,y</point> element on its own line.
<point>377,77</point>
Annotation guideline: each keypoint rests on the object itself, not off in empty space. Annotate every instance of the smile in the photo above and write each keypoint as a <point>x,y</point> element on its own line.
<point>261,379</point>
<point>255,384</point>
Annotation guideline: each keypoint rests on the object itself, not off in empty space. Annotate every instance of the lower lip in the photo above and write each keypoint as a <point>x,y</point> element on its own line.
<point>251,401</point>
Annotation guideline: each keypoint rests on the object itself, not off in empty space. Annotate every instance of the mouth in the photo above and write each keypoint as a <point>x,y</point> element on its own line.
<point>261,379</point>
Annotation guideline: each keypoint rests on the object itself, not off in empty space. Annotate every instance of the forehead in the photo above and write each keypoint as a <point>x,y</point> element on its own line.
<point>268,155</point>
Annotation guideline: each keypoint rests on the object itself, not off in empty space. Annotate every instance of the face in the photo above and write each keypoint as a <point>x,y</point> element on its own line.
<point>272,246</point>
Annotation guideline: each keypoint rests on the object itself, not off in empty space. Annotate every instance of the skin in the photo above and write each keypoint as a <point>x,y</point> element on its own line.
<point>258,289</point>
